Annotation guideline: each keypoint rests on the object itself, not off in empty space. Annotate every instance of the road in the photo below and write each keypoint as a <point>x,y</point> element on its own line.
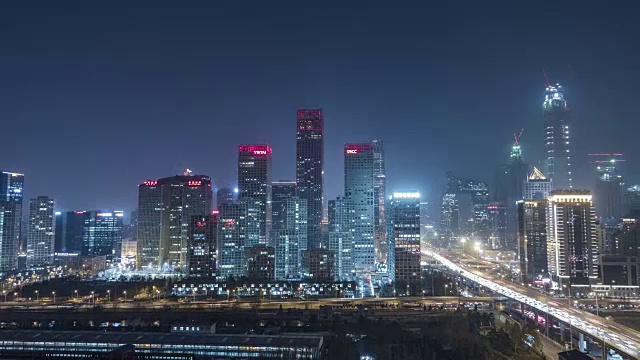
<point>613,334</point>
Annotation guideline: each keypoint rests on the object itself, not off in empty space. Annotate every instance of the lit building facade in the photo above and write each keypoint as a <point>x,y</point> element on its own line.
<point>608,194</point>
<point>254,188</point>
<point>165,208</point>
<point>379,194</point>
<point>102,234</point>
<point>341,237</point>
<point>318,265</point>
<point>226,196</point>
<point>289,230</point>
<point>404,237</point>
<point>532,239</point>
<point>11,198</point>
<point>537,187</point>
<point>203,231</point>
<point>232,241</point>
<point>498,223</point>
<point>572,248</point>
<point>309,169</point>
<point>558,157</point>
<point>359,189</point>
<point>41,232</point>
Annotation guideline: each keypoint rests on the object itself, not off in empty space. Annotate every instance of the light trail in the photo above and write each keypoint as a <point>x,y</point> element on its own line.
<point>617,336</point>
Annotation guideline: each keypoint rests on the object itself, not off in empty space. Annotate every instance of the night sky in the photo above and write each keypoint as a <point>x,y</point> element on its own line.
<point>95,99</point>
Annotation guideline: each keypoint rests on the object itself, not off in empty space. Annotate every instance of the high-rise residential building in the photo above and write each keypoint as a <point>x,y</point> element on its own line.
<point>68,231</point>
<point>41,232</point>
<point>359,189</point>
<point>226,196</point>
<point>260,262</point>
<point>341,237</point>
<point>203,232</point>
<point>379,194</point>
<point>608,194</point>
<point>232,241</point>
<point>404,237</point>
<point>165,208</point>
<point>532,239</point>
<point>558,157</point>
<point>572,247</point>
<point>102,234</point>
<point>498,221</point>
<point>537,186</point>
<point>464,211</point>
<point>309,169</point>
<point>289,230</point>
<point>11,190</point>
<point>254,188</point>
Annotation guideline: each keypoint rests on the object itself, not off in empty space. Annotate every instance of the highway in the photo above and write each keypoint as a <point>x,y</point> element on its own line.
<point>613,334</point>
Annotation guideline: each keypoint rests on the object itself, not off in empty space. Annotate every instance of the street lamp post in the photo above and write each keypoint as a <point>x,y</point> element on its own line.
<point>76,293</point>
<point>125,295</point>
<point>463,241</point>
<point>108,295</point>
<point>37,295</point>
<point>5,296</point>
<point>445,289</point>
<point>93,297</point>
<point>54,296</point>
<point>478,248</point>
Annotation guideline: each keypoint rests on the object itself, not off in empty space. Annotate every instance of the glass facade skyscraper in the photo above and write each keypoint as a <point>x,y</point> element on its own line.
<point>404,237</point>
<point>359,189</point>
<point>289,230</point>
<point>40,232</point>
<point>379,194</point>
<point>232,241</point>
<point>11,197</point>
<point>341,237</point>
<point>102,234</point>
<point>68,238</point>
<point>254,189</point>
<point>203,231</point>
<point>165,208</point>
<point>226,196</point>
<point>309,169</point>
<point>558,157</point>
<point>532,239</point>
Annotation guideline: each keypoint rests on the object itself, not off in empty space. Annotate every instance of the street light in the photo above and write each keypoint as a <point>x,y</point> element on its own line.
<point>445,289</point>
<point>76,292</point>
<point>463,241</point>
<point>108,295</point>
<point>37,295</point>
<point>478,248</point>
<point>5,296</point>
<point>125,295</point>
<point>93,297</point>
<point>54,296</point>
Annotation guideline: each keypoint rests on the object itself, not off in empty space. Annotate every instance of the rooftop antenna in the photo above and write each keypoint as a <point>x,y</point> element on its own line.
<point>517,137</point>
<point>546,78</point>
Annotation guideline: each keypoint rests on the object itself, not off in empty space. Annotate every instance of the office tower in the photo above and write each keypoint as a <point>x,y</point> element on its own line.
<point>41,232</point>
<point>131,229</point>
<point>609,188</point>
<point>289,230</point>
<point>558,158</point>
<point>359,189</point>
<point>260,262</point>
<point>571,238</point>
<point>254,188</point>
<point>309,169</point>
<point>532,239</point>
<point>379,195</point>
<point>102,234</point>
<point>11,189</point>
<point>537,187</point>
<point>318,265</point>
<point>632,198</point>
<point>68,232</point>
<point>341,237</point>
<point>404,238</point>
<point>425,218</point>
<point>203,231</point>
<point>165,208</point>
<point>226,196</point>
<point>498,220</point>
<point>626,241</point>
<point>464,211</point>
<point>232,241</point>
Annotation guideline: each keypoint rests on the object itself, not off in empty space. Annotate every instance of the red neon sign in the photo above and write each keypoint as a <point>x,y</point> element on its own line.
<point>353,149</point>
<point>215,212</point>
<point>150,182</point>
<point>201,223</point>
<point>229,224</point>
<point>194,182</point>
<point>258,150</point>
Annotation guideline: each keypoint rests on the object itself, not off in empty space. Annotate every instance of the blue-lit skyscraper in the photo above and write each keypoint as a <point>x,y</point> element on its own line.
<point>102,234</point>
<point>558,157</point>
<point>11,188</point>
<point>404,237</point>
<point>289,230</point>
<point>40,232</point>
<point>232,240</point>
<point>341,237</point>
<point>254,189</point>
<point>359,189</point>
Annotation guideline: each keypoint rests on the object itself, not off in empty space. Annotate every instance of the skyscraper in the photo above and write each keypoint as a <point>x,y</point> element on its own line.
<point>379,194</point>
<point>11,186</point>
<point>558,158</point>
<point>572,247</point>
<point>41,232</point>
<point>498,221</point>
<point>537,187</point>
<point>165,208</point>
<point>289,230</point>
<point>532,239</point>
<point>203,231</point>
<point>404,238</point>
<point>609,188</point>
<point>226,196</point>
<point>102,234</point>
<point>359,189</point>
<point>232,241</point>
<point>341,237</point>
<point>68,230</point>
<point>309,169</point>
<point>254,188</point>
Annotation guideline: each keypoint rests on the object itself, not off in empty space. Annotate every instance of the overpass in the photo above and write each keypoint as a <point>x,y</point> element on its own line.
<point>612,334</point>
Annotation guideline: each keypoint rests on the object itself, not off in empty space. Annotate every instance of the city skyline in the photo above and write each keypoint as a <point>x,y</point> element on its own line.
<point>434,95</point>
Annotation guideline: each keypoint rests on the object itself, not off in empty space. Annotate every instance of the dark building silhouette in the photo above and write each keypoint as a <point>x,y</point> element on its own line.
<point>318,265</point>
<point>260,262</point>
<point>203,231</point>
